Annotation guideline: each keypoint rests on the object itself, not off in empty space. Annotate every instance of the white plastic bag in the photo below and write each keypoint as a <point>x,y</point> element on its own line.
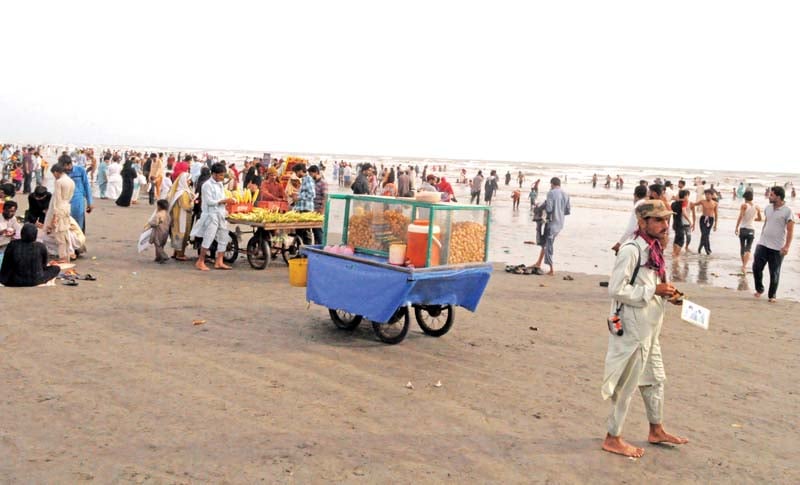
<point>144,240</point>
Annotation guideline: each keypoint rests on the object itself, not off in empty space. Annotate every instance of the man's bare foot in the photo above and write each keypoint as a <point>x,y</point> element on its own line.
<point>615,444</point>
<point>773,300</point>
<point>659,435</point>
<point>221,266</point>
<point>201,266</point>
<point>757,295</point>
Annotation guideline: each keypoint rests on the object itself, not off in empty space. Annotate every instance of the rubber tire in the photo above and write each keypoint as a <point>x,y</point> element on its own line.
<point>344,324</point>
<point>258,255</point>
<point>293,250</point>
<point>378,328</point>
<point>434,332</point>
<point>232,248</point>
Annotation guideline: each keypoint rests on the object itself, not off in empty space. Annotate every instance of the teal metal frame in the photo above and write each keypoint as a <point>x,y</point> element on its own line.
<point>433,209</point>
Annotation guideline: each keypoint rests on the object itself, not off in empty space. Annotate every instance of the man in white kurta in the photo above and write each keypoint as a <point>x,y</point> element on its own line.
<point>634,359</point>
<point>212,224</point>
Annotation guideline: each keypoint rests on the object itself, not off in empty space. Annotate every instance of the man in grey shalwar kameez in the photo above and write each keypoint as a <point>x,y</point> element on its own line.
<point>634,358</point>
<point>557,207</point>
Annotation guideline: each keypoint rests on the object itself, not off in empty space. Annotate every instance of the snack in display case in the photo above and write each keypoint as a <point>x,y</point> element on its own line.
<point>375,226</point>
<point>467,243</point>
<point>433,233</point>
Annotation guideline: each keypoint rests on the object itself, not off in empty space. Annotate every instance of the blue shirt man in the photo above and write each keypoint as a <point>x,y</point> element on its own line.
<point>82,198</point>
<point>557,207</point>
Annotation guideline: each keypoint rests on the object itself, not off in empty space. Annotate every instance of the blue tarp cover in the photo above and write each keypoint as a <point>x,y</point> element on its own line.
<point>368,286</point>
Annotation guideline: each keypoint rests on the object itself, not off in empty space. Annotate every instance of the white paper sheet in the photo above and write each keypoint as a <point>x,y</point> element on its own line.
<point>695,314</point>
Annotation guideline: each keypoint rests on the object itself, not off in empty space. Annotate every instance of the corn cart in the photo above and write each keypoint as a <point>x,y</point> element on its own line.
<point>443,265</point>
<point>270,239</point>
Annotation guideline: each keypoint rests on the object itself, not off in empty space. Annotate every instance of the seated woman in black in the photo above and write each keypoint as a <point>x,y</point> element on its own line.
<point>25,261</point>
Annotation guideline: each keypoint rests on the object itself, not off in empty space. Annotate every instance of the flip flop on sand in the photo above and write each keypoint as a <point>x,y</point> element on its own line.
<point>70,283</point>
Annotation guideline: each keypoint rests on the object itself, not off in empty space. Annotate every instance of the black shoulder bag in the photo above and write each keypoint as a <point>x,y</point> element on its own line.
<point>614,322</point>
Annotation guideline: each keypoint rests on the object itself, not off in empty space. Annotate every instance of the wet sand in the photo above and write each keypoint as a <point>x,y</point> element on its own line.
<point>110,381</point>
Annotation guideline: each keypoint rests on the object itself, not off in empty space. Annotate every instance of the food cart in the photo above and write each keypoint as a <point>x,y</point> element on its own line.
<point>269,239</point>
<point>439,251</point>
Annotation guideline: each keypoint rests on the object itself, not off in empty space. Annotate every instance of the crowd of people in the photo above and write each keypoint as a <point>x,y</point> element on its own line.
<point>186,190</point>
<point>774,242</point>
<point>394,181</point>
<point>177,180</point>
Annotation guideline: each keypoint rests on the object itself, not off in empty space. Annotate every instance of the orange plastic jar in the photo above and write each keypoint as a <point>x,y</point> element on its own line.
<point>418,244</point>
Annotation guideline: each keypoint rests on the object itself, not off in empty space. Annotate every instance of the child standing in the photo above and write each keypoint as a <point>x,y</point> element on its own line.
<point>515,196</point>
<point>17,176</point>
<point>533,194</point>
<point>159,223</point>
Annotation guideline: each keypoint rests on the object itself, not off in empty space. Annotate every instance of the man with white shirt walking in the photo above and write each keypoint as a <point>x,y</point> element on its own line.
<point>773,245</point>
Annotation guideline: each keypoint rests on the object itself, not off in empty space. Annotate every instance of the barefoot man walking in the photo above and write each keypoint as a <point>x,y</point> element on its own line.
<point>212,224</point>
<point>634,358</point>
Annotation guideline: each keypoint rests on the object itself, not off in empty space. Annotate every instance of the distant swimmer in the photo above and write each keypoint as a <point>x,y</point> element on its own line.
<point>748,213</point>
<point>708,220</point>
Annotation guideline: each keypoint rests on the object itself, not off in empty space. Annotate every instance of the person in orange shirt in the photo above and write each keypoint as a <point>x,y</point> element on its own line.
<point>271,189</point>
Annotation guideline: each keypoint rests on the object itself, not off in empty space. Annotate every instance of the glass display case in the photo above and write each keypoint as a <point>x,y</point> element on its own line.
<point>407,231</point>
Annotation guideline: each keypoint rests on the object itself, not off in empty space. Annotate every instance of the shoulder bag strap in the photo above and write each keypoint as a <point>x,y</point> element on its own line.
<point>635,271</point>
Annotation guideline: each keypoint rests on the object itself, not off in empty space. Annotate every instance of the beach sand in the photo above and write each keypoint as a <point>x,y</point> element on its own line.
<point>110,381</point>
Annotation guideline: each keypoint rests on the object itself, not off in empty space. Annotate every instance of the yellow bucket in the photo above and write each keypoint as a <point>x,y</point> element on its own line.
<point>298,272</point>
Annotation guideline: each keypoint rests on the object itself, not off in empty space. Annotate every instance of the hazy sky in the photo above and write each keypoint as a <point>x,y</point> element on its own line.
<point>703,84</point>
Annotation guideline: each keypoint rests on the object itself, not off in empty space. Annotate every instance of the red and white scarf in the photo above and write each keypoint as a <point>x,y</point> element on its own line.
<point>656,259</point>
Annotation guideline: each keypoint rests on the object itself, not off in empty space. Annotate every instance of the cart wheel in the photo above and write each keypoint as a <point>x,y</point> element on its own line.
<point>344,320</point>
<point>257,254</point>
<point>274,244</point>
<point>232,249</point>
<point>434,320</point>
<point>292,250</point>
<point>395,330</point>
